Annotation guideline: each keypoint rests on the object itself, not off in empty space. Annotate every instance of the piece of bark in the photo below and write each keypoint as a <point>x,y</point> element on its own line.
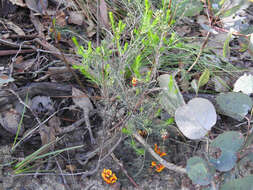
<point>41,88</point>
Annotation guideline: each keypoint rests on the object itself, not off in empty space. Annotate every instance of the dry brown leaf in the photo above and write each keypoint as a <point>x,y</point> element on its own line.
<point>60,18</point>
<point>12,26</point>
<point>55,123</point>
<point>76,17</point>
<point>47,135</point>
<point>22,65</point>
<point>59,74</point>
<point>81,99</point>
<point>104,13</point>
<point>10,121</point>
<point>37,24</point>
<point>71,168</point>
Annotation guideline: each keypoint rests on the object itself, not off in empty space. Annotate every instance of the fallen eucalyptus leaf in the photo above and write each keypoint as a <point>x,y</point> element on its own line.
<point>196,118</point>
<point>225,162</point>
<point>244,183</point>
<point>244,84</point>
<point>199,171</point>
<point>234,104</point>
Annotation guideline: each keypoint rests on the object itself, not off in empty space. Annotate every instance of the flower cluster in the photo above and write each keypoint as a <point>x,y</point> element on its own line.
<point>159,167</point>
<point>108,176</point>
<point>134,81</point>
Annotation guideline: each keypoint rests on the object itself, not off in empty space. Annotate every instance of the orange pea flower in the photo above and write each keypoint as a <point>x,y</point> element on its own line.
<point>134,81</point>
<point>158,151</point>
<point>153,164</point>
<point>108,176</point>
<point>159,167</point>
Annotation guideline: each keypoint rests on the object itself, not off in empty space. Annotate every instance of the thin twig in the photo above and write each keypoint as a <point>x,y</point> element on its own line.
<point>124,171</point>
<point>200,52</point>
<point>11,52</point>
<point>26,105</point>
<point>71,127</point>
<point>12,44</point>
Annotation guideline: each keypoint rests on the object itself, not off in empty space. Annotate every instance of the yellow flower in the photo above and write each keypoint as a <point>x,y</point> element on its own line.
<point>108,176</point>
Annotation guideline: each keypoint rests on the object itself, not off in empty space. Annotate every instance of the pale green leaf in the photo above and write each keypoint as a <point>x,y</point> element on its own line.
<point>196,118</point>
<point>204,78</point>
<point>226,48</point>
<point>244,84</point>
<point>234,104</point>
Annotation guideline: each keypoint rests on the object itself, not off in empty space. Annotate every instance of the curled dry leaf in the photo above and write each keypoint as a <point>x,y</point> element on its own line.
<point>196,118</point>
<point>13,27</point>
<point>47,135</point>
<point>81,99</point>
<point>76,18</point>
<point>10,122</point>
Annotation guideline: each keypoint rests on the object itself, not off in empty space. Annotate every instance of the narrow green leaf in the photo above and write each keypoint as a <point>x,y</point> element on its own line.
<point>204,78</point>
<point>226,48</point>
